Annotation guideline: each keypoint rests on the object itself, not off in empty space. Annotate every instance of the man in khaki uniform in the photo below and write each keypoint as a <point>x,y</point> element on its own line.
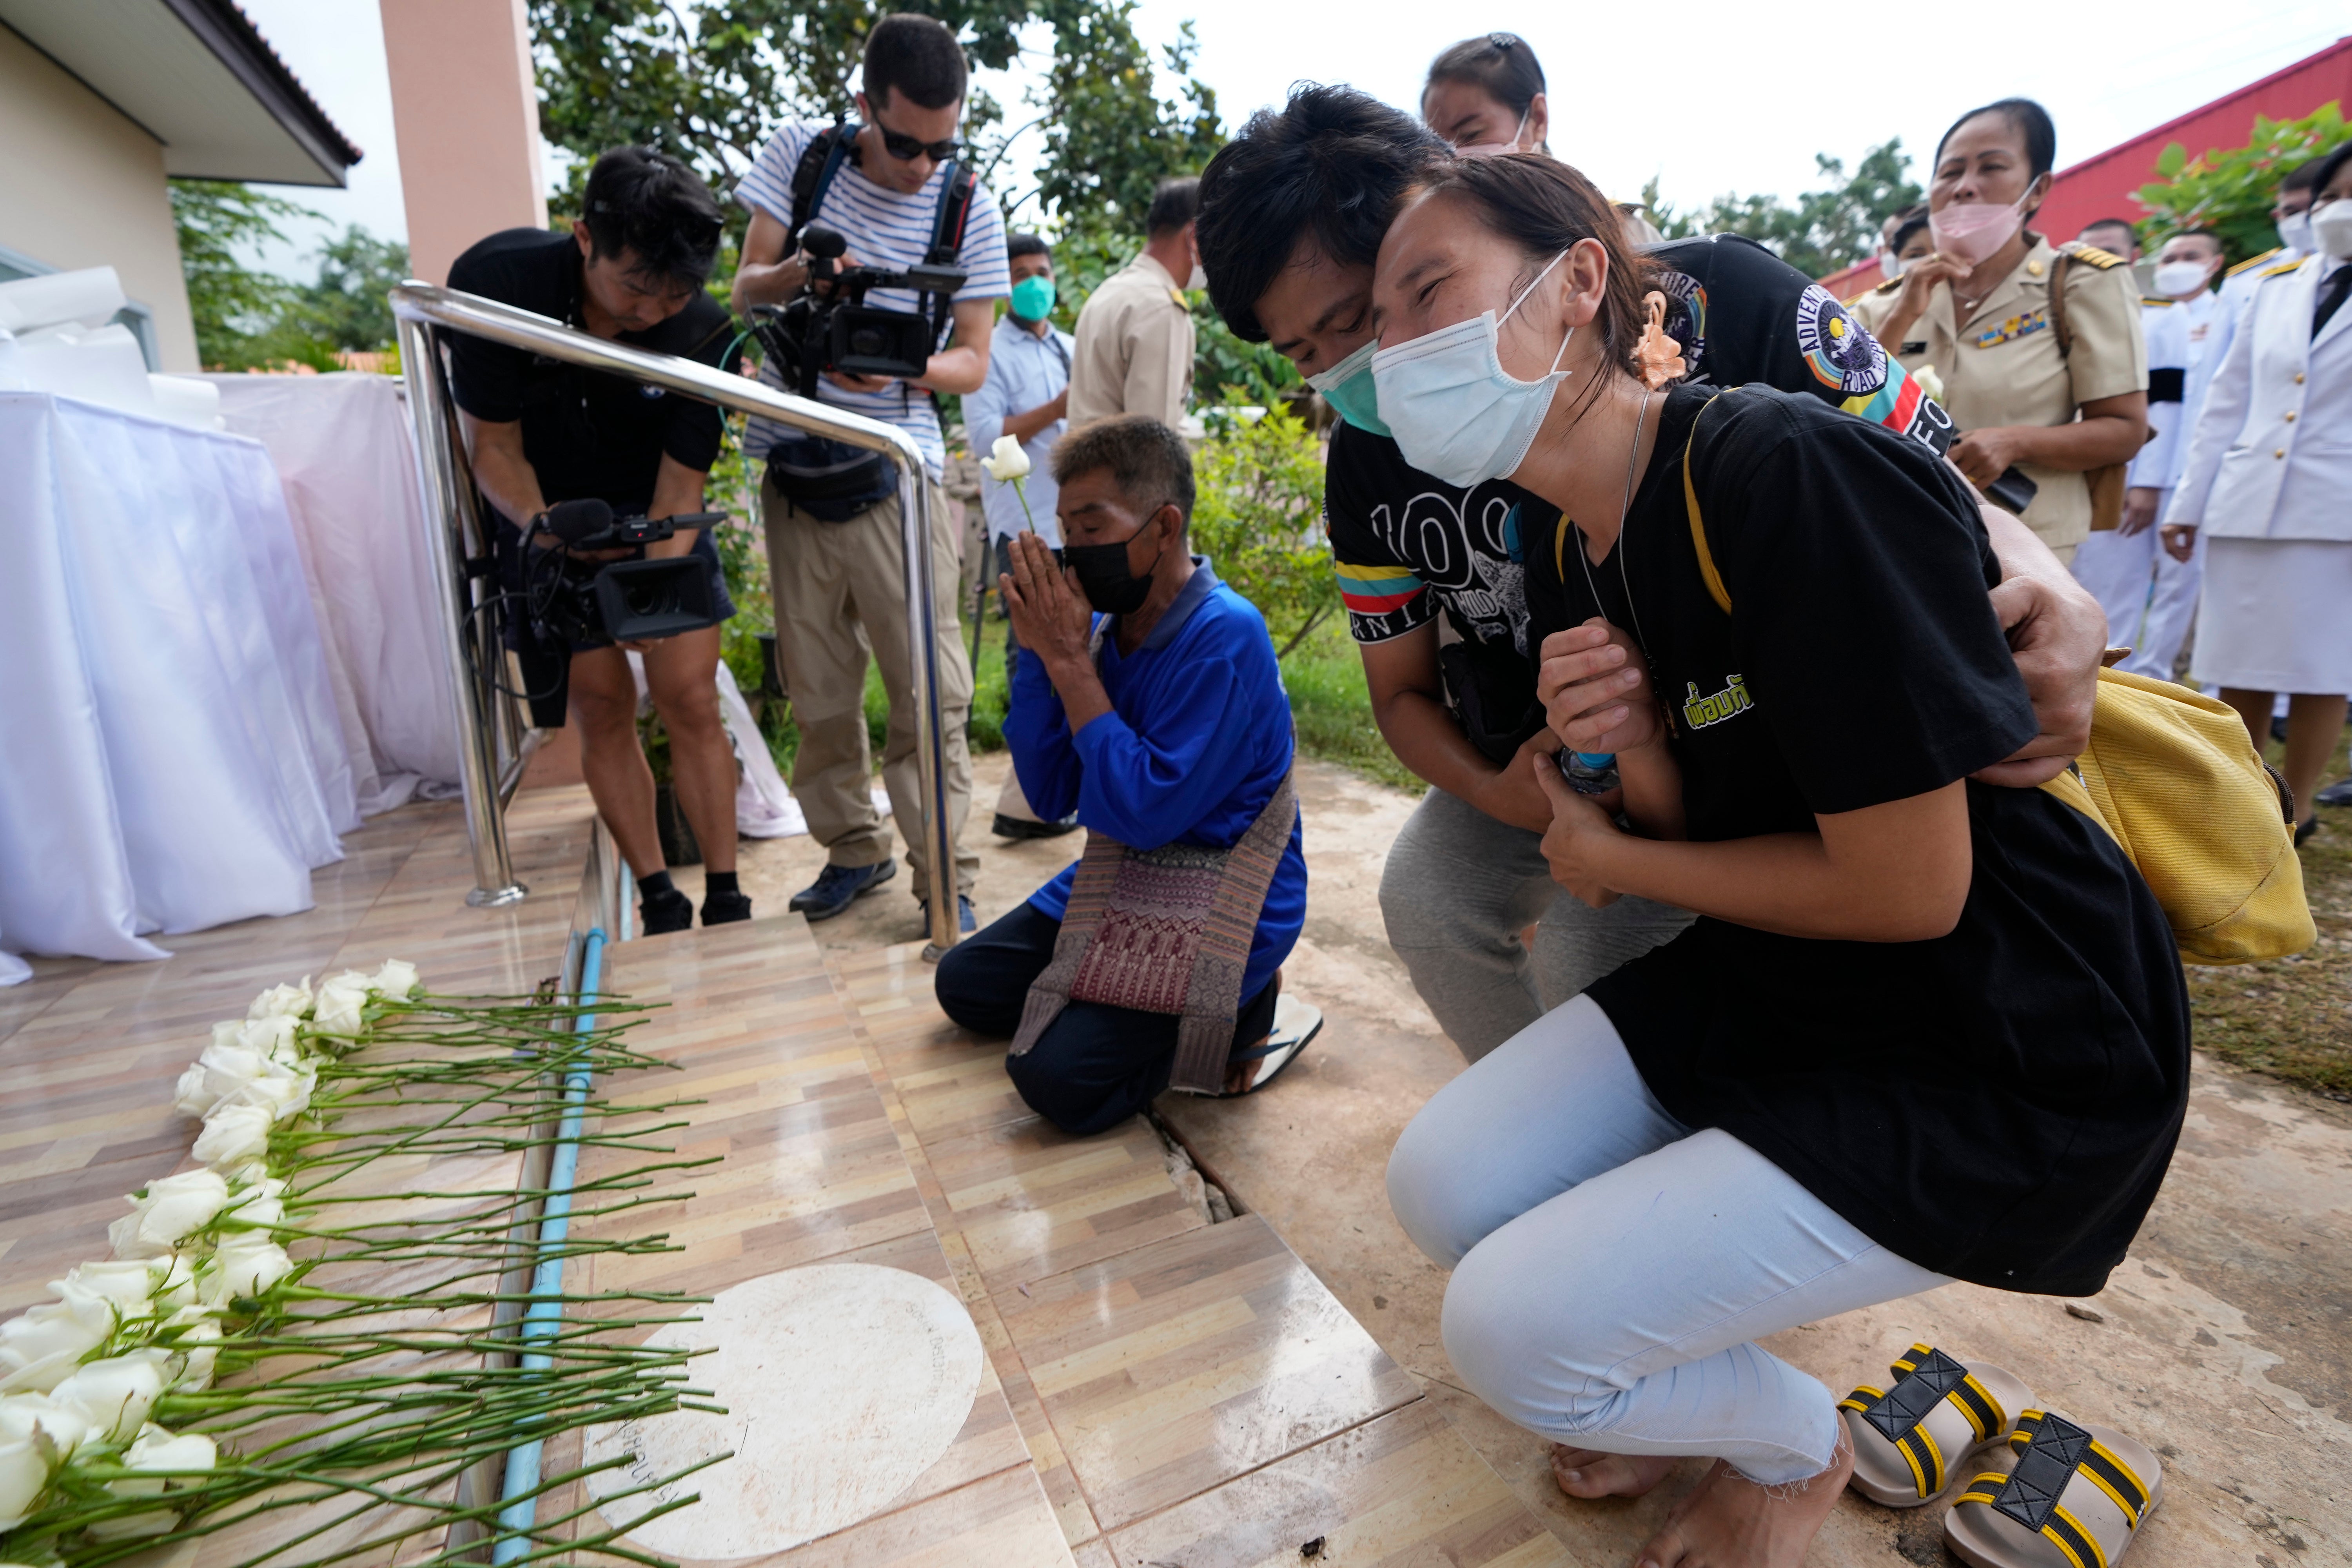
<point>1135,334</point>
<point>2004,373</point>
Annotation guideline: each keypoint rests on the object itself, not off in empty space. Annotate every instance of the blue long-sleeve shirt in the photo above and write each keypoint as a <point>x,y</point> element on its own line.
<point>1196,742</point>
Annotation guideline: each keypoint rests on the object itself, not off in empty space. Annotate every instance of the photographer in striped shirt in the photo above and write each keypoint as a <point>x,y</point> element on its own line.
<point>892,185</point>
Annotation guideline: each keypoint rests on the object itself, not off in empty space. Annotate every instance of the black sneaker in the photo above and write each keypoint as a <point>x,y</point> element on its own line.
<point>666,911</point>
<point>2337,793</point>
<point>1024,827</point>
<point>726,908</point>
<point>837,886</point>
<point>966,922</point>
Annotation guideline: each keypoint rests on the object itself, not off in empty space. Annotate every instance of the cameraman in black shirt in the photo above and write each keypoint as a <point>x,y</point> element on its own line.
<point>541,431</point>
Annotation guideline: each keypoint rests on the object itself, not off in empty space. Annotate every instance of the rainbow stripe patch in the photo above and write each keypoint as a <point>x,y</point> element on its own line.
<point>1378,590</point>
<point>1893,406</point>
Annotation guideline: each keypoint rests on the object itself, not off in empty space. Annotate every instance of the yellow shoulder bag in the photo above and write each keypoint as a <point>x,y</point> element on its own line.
<point>2172,776</point>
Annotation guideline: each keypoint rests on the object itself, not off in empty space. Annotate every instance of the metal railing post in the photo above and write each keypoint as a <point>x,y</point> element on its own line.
<point>445,539</point>
<point>420,307</point>
<point>931,740</point>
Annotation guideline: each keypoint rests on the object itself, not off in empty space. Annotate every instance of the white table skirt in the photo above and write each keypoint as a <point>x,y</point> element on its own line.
<point>344,449</point>
<point>170,753</point>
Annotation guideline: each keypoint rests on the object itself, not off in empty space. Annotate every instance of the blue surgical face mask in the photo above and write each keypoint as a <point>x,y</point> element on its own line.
<point>1456,412</point>
<point>1033,299</point>
<point>1347,387</point>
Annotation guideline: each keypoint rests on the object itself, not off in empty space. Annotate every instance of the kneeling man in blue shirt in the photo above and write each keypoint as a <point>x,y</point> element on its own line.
<point>1146,699</point>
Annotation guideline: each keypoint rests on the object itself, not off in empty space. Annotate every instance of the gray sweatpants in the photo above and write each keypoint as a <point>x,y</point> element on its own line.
<point>1458,889</point>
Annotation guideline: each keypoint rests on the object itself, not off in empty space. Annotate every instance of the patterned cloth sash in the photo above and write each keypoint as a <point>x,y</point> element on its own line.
<point>1165,931</point>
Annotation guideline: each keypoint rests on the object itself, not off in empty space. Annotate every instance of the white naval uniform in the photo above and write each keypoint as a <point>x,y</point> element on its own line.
<point>2268,482</point>
<point>2149,598</point>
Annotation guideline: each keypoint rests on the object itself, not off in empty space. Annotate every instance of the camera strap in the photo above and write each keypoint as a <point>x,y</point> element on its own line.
<point>821,160</point>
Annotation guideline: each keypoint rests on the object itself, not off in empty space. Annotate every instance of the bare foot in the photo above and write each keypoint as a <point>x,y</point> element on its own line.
<point>1590,1473</point>
<point>1731,1521</point>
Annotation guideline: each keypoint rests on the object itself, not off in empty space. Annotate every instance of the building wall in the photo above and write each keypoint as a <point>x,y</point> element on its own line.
<point>467,118</point>
<point>82,186</point>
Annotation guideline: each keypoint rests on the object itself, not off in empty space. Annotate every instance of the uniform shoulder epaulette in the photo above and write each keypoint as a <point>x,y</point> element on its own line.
<point>1888,286</point>
<point>2147,300</point>
<point>2281,271</point>
<point>2250,262</point>
<point>2102,259</point>
<point>1178,296</point>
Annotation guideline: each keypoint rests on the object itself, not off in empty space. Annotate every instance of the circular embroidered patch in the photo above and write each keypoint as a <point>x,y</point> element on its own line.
<point>1838,351</point>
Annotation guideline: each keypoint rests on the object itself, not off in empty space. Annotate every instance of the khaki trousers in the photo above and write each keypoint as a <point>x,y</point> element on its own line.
<point>840,594</point>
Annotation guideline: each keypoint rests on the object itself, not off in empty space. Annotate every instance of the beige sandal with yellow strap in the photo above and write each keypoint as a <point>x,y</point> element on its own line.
<point>1910,1439</point>
<point>2076,1498</point>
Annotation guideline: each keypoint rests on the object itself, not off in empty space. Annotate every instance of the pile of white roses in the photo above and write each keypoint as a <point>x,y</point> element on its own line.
<point>80,1374</point>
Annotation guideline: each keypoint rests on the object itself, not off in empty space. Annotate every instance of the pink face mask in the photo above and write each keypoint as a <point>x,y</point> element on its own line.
<point>1971,231</point>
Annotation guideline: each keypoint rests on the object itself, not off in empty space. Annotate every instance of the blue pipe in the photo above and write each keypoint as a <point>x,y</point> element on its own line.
<point>546,1312</point>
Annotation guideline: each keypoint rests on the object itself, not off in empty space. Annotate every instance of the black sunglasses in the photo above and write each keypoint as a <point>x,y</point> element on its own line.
<point>905,148</point>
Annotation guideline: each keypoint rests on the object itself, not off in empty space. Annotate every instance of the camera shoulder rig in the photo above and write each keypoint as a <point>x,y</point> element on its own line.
<point>822,158</point>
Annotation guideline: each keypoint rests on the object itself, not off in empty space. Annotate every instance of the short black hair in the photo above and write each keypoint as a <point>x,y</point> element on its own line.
<point>1500,65</point>
<point>2032,122</point>
<point>2329,167</point>
<point>2113,223</point>
<point>1148,461</point>
<point>1903,231</point>
<point>2220,245</point>
<point>1330,163</point>
<point>1020,245</point>
<point>1174,204</point>
<point>649,205</point>
<point>2305,176</point>
<point>916,58</point>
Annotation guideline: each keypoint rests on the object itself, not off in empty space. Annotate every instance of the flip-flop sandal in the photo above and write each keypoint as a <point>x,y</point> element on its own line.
<point>1295,1024</point>
<point>1910,1439</point>
<point>2076,1498</point>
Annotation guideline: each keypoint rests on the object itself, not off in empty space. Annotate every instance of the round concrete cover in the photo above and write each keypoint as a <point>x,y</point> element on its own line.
<point>843,1381</point>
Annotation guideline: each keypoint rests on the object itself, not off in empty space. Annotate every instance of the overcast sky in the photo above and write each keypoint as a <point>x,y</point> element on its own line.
<point>1718,98</point>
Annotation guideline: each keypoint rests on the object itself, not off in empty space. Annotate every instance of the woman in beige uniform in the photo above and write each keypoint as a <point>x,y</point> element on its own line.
<point>2056,393</point>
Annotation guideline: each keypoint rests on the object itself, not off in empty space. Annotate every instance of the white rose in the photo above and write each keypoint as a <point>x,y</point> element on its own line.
<point>114,1396</point>
<point>192,1096</point>
<point>341,1002</point>
<point>396,979</point>
<point>22,1415</point>
<point>173,1208</point>
<point>158,1450</point>
<point>282,1001</point>
<point>245,1263</point>
<point>24,1477</point>
<point>1006,460</point>
<point>261,1204</point>
<point>195,1336</point>
<point>129,1283</point>
<point>133,1526</point>
<point>41,1346</point>
<point>1929,382</point>
<point>274,1037</point>
<point>228,1067</point>
<point>177,1290</point>
<point>235,1135</point>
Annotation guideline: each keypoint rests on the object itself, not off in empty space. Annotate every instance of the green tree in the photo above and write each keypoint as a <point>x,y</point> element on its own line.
<point>1258,515</point>
<point>345,307</point>
<point>2230,191</point>
<point>1825,229</point>
<point>232,303</point>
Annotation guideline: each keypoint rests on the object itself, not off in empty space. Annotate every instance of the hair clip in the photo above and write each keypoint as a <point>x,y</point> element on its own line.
<point>1657,358</point>
<point>1502,41</point>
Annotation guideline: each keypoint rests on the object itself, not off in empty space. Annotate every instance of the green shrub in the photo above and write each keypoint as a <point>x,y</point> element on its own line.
<point>1259,515</point>
<point>2230,191</point>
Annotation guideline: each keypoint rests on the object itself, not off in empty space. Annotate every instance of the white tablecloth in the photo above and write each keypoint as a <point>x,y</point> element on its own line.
<point>344,449</point>
<point>170,753</point>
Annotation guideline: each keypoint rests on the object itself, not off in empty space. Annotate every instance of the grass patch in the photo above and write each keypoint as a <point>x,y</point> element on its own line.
<point>2292,1017</point>
<point>1333,707</point>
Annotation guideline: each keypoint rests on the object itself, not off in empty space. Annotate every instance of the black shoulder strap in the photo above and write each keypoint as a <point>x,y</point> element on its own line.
<point>813,175</point>
<point>948,221</point>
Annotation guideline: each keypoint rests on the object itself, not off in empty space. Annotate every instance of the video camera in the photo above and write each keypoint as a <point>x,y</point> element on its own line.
<point>833,329</point>
<point>571,600</point>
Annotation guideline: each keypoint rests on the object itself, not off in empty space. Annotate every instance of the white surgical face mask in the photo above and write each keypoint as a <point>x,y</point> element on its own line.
<point>1456,412</point>
<point>2331,226</point>
<point>2175,279</point>
<point>2294,233</point>
<point>1889,264</point>
<point>1200,278</point>
<point>1496,149</point>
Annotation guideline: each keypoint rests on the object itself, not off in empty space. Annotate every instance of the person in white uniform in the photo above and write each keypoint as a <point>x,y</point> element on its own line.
<point>2149,598</point>
<point>2268,483</point>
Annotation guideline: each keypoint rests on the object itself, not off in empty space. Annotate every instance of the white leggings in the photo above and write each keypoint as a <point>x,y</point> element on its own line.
<point>1613,1268</point>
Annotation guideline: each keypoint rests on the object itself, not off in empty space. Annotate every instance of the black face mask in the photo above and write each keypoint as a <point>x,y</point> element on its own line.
<point>1112,585</point>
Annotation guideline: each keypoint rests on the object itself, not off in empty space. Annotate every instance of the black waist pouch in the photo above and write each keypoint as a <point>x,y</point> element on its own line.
<point>1492,694</point>
<point>830,480</point>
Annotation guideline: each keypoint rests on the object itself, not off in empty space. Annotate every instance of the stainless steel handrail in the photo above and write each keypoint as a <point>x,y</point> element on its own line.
<point>462,537</point>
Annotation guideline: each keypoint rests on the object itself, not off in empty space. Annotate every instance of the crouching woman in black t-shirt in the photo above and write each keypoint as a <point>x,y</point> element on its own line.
<point>1925,1030</point>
